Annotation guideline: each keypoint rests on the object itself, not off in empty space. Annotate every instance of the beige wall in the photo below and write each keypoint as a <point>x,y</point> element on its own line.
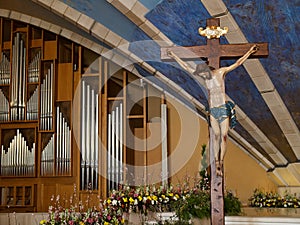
<point>186,135</point>
<point>242,173</point>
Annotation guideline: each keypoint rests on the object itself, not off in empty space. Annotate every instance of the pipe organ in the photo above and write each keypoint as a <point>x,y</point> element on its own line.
<point>46,100</point>
<point>18,159</point>
<point>32,106</point>
<point>89,138</point>
<point>56,155</point>
<point>38,105</point>
<point>4,69</point>
<point>4,107</point>
<point>34,68</point>
<point>115,148</point>
<point>47,158</point>
<point>18,89</point>
<point>63,145</point>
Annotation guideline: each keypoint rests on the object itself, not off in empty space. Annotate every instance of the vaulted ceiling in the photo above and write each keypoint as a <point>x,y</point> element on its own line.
<point>265,90</point>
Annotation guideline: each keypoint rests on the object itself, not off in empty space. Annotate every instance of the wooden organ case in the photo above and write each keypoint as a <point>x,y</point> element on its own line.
<point>62,117</point>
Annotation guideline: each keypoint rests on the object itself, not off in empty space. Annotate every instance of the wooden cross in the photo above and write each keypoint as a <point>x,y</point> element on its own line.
<point>214,51</point>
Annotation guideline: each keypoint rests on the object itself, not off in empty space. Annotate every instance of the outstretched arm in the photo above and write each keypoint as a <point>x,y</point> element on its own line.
<point>183,64</point>
<point>241,60</point>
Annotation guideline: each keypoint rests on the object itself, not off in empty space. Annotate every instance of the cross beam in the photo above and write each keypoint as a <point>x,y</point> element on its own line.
<point>214,51</point>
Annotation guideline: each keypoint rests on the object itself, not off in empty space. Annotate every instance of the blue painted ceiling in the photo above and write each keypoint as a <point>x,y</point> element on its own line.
<point>274,21</point>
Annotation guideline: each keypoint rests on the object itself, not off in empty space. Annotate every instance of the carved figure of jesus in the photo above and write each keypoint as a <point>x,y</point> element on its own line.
<point>219,109</point>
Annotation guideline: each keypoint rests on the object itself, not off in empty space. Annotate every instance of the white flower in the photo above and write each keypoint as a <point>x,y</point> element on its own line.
<point>114,202</point>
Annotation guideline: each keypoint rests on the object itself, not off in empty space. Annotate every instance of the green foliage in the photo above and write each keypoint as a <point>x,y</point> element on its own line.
<point>196,204</point>
<point>232,205</point>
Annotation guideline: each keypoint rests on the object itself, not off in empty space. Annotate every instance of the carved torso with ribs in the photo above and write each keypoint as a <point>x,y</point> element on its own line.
<point>216,90</point>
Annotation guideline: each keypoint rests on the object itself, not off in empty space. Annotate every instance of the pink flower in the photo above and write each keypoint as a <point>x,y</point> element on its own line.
<point>71,222</point>
<point>90,220</point>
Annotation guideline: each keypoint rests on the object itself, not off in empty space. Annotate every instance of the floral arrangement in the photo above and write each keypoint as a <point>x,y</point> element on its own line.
<point>273,200</point>
<point>188,199</point>
<point>144,199</point>
<point>78,213</point>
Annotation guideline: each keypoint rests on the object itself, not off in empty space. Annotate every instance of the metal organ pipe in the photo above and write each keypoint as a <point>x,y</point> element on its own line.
<point>4,107</point>
<point>34,68</point>
<point>63,145</point>
<point>109,158</point>
<point>83,149</point>
<point>4,69</point>
<point>121,143</point>
<point>47,100</point>
<point>93,131</point>
<point>32,106</point>
<point>18,160</point>
<point>89,137</point>
<point>115,147</point>
<point>164,141</point>
<point>96,166</point>
<point>18,89</point>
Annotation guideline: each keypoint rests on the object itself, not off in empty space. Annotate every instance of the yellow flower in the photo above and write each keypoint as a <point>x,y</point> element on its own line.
<point>131,200</point>
<point>140,198</point>
<point>125,199</point>
<point>43,222</point>
<point>81,223</point>
<point>154,197</point>
<point>106,223</point>
<point>171,194</point>
<point>108,201</point>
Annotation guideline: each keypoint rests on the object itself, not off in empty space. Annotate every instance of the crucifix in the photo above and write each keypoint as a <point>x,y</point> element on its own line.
<point>220,111</point>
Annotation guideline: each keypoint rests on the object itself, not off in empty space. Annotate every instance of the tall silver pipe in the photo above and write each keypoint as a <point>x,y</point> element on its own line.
<point>164,141</point>
<point>60,144</point>
<point>58,137</point>
<point>97,141</point>
<point>121,142</point>
<point>46,103</point>
<point>113,133</point>
<point>46,119</point>
<point>83,146</point>
<point>117,146</point>
<point>51,96</point>
<point>109,158</point>
<point>63,145</point>
<point>23,85</point>
<point>92,161</point>
<point>68,147</point>
<point>18,89</point>
<point>88,137</point>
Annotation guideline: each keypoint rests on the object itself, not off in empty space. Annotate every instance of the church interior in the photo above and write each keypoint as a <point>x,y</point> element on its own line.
<point>87,102</point>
